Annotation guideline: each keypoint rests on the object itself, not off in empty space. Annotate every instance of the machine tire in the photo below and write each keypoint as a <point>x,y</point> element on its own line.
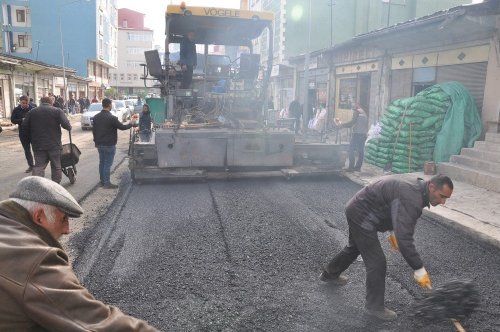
<point>71,175</point>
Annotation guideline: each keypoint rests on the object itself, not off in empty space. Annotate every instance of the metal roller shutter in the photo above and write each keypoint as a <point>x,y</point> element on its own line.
<point>472,76</point>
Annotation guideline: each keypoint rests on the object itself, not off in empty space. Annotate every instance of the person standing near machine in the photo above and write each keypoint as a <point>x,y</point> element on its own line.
<point>18,115</point>
<point>145,124</point>
<point>187,59</point>
<point>359,125</point>
<point>105,132</point>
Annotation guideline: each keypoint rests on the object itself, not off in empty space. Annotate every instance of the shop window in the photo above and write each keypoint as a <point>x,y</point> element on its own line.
<point>348,92</point>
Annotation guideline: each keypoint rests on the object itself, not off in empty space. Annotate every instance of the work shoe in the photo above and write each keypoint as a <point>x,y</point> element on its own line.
<point>110,186</point>
<point>338,281</point>
<point>350,170</point>
<point>29,169</point>
<point>384,314</point>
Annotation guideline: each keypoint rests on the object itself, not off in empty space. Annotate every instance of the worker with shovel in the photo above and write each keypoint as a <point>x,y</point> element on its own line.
<point>393,203</point>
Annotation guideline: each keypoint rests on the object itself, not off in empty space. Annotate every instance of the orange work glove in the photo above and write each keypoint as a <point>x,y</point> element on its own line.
<point>422,278</point>
<point>393,242</point>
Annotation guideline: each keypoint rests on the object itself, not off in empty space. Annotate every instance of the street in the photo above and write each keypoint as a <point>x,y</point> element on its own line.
<point>246,255</point>
<point>243,255</point>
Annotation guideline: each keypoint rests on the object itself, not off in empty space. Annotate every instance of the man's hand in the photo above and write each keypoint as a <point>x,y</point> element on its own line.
<point>422,278</point>
<point>393,242</point>
<point>184,67</point>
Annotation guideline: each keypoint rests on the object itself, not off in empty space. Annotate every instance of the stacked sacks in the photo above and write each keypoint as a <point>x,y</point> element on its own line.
<point>409,130</point>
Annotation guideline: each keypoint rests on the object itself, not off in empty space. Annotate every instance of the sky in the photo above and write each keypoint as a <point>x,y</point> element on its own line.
<point>155,12</point>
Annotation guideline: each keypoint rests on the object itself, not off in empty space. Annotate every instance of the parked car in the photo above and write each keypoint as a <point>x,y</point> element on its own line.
<point>87,118</point>
<point>130,103</point>
<point>122,108</point>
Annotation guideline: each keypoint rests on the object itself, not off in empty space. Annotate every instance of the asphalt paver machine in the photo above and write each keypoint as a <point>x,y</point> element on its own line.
<point>217,128</point>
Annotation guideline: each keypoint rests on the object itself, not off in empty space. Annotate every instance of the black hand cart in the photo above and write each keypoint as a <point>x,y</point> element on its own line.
<point>70,155</point>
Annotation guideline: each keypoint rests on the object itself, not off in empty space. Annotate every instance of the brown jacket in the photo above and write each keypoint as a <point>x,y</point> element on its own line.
<point>38,289</point>
<point>392,203</point>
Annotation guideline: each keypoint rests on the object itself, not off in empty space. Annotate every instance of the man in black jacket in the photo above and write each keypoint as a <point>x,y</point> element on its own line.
<point>18,115</point>
<point>393,203</point>
<point>105,133</point>
<point>43,125</point>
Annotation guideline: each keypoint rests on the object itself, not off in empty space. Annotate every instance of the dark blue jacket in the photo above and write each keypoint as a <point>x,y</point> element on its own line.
<point>17,117</point>
<point>43,125</point>
<point>145,121</point>
<point>105,128</point>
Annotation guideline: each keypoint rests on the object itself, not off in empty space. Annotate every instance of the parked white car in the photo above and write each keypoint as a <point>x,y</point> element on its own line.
<point>87,118</point>
<point>122,108</point>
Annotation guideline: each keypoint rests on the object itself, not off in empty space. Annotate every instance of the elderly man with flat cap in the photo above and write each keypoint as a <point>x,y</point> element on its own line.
<point>38,289</point>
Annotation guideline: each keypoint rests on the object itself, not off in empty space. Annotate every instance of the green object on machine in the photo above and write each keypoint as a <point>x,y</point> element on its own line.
<point>158,110</point>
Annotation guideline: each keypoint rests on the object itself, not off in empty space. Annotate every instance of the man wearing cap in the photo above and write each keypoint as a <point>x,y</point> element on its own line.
<point>38,289</point>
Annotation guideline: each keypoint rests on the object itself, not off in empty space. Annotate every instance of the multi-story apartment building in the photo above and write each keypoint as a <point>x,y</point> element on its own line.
<point>133,40</point>
<point>80,34</point>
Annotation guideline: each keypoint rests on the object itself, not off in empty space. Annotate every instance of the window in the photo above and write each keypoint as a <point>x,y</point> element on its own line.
<point>129,77</point>
<point>134,36</point>
<point>21,41</point>
<point>21,15</point>
<point>135,77</point>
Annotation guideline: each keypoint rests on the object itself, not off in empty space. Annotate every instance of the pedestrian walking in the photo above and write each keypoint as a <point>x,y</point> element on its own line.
<point>18,115</point>
<point>43,125</point>
<point>145,124</point>
<point>393,203</point>
<point>105,132</point>
<point>38,289</point>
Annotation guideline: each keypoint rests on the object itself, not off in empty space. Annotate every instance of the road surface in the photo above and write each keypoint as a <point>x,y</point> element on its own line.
<point>246,255</point>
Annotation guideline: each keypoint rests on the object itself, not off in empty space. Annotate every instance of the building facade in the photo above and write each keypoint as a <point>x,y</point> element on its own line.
<point>133,40</point>
<point>78,34</point>
<point>332,22</point>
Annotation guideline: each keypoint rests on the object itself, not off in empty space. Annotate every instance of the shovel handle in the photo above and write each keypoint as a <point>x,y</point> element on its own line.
<point>455,322</point>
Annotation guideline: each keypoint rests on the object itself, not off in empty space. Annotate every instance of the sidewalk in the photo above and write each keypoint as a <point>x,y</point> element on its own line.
<point>470,209</point>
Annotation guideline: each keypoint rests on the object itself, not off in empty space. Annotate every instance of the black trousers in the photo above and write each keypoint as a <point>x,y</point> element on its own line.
<point>364,240</point>
<point>187,77</point>
<point>26,143</point>
<point>357,145</point>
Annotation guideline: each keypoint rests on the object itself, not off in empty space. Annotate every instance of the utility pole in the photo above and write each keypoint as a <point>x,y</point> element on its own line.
<point>307,60</point>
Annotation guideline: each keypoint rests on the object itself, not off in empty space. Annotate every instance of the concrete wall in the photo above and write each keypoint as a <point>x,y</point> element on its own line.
<point>491,103</point>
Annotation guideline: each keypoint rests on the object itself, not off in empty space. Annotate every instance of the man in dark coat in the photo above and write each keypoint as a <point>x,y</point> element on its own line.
<point>43,124</point>
<point>145,124</point>
<point>18,115</point>
<point>393,203</point>
<point>105,132</point>
<point>187,59</point>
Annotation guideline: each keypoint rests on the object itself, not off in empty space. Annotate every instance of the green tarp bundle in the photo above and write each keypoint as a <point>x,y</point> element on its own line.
<point>433,125</point>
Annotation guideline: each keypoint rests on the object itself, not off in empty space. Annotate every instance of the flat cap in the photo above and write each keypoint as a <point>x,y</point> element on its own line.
<point>42,190</point>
